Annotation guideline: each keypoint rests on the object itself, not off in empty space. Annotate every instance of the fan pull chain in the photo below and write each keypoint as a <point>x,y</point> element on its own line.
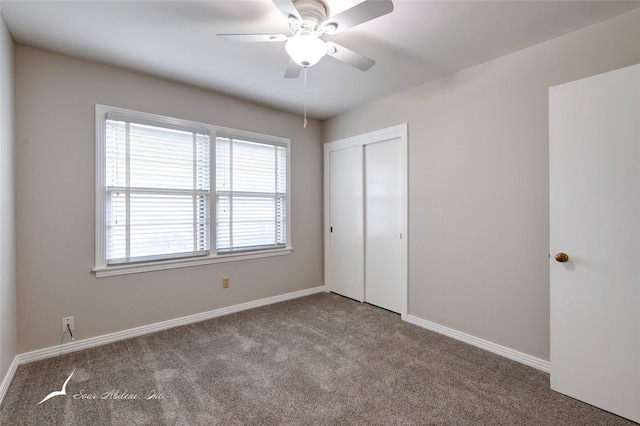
<point>305,98</point>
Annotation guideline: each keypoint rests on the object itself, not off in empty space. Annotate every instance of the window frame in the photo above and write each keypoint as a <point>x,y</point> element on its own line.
<point>102,269</point>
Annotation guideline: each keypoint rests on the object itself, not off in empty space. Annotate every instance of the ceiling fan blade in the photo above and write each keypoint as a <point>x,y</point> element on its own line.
<point>288,9</point>
<point>349,56</point>
<point>358,14</point>
<point>293,70</point>
<point>233,38</point>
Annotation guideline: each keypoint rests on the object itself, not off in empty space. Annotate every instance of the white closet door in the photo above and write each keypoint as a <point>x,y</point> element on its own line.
<point>346,223</point>
<point>384,255</point>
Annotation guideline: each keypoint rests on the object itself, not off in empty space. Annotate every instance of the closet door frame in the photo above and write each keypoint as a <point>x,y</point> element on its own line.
<point>394,132</point>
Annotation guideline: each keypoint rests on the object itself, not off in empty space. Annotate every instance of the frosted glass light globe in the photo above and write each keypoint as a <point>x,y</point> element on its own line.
<point>305,50</point>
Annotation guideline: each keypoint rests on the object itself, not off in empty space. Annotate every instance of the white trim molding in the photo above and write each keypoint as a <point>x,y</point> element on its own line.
<point>54,351</point>
<point>4,386</point>
<point>79,345</point>
<point>511,354</point>
<point>159,265</point>
<point>203,257</point>
<point>398,131</point>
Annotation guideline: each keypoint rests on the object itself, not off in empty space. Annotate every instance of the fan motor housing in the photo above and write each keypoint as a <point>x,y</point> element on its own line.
<point>313,13</point>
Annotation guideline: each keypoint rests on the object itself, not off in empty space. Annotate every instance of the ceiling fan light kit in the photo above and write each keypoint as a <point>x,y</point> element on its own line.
<point>308,22</point>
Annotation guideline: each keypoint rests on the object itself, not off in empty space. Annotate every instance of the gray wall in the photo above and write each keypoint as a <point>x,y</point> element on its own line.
<point>55,98</point>
<point>478,182</point>
<point>8,317</point>
<point>478,196</point>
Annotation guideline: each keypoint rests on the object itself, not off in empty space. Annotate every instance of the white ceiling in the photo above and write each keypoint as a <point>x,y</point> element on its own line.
<point>419,41</point>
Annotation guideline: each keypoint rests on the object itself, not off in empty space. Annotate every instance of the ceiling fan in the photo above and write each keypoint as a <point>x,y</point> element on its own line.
<point>308,21</point>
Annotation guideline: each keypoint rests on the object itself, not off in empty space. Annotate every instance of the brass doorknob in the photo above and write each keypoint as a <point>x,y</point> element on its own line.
<point>562,257</point>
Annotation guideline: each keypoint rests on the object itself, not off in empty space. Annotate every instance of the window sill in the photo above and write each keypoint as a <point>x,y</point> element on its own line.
<point>135,268</point>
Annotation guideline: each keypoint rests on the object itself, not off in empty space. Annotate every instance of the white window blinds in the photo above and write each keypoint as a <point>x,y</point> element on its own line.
<point>251,195</point>
<point>157,191</point>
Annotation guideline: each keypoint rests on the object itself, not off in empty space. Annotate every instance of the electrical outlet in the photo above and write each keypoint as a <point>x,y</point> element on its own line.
<point>65,321</point>
<point>225,282</point>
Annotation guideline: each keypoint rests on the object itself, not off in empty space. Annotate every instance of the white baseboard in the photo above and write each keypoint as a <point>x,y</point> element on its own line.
<point>514,355</point>
<point>139,331</point>
<point>4,386</point>
<point>164,325</point>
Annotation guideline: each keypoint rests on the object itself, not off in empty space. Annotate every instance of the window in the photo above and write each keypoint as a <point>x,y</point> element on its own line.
<point>154,204</point>
<point>157,191</point>
<point>251,195</point>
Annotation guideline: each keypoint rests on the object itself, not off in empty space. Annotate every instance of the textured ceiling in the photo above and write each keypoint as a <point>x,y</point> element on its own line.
<point>419,41</point>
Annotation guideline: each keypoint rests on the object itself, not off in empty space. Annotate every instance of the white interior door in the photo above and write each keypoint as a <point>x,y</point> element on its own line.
<point>346,223</point>
<point>595,220</point>
<point>384,255</point>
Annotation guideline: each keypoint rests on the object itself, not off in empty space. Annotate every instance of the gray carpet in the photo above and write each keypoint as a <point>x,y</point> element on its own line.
<point>317,360</point>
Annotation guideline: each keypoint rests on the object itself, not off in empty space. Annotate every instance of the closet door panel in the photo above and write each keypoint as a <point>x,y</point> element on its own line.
<point>384,254</point>
<point>346,237</point>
